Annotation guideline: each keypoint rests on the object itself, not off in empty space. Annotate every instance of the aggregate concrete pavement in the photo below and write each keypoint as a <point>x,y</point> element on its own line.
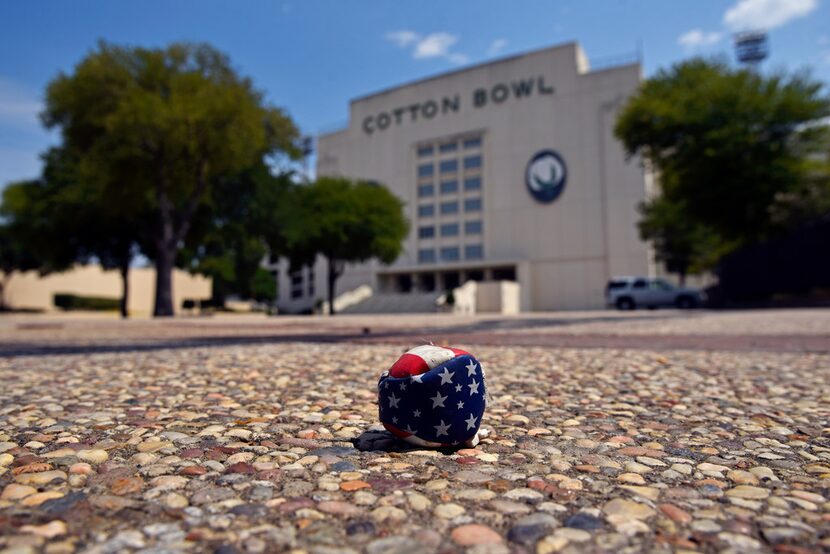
<point>229,436</point>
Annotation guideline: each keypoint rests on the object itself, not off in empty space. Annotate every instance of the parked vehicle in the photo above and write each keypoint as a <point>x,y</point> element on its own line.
<point>629,293</point>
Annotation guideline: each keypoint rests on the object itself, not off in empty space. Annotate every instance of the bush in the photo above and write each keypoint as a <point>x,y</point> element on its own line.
<point>68,302</point>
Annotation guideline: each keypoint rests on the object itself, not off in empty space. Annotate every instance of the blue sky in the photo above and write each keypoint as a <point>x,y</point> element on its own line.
<point>312,56</point>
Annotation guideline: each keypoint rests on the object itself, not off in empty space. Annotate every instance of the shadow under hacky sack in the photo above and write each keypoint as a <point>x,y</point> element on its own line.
<point>378,439</point>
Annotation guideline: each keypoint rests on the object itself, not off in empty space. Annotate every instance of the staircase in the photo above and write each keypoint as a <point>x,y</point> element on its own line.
<point>413,303</point>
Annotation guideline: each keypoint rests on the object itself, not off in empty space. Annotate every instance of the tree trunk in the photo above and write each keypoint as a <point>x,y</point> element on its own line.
<point>125,289</point>
<point>3,282</point>
<point>332,279</point>
<point>164,282</point>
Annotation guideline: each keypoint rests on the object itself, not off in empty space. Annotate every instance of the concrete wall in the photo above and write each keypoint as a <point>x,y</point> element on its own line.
<point>498,297</point>
<point>29,290</point>
<point>564,251</point>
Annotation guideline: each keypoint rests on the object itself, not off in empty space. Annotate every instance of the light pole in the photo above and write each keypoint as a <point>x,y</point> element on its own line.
<point>751,47</point>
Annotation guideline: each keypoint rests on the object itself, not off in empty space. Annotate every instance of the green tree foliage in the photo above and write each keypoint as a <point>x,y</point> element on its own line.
<point>230,233</point>
<point>61,219</point>
<point>731,148</point>
<point>13,258</point>
<point>31,237</point>
<point>345,222</point>
<point>154,130</point>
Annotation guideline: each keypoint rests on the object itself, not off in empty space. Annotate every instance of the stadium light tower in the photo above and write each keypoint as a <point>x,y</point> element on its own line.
<point>751,47</point>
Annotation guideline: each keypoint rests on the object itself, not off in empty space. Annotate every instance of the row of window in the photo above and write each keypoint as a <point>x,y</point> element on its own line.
<point>296,278</point>
<point>451,253</point>
<point>449,166</point>
<point>468,144</point>
<point>449,229</point>
<point>449,187</point>
<point>471,205</point>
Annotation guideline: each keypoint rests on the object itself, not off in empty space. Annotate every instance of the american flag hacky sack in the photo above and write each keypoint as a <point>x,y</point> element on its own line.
<point>433,396</point>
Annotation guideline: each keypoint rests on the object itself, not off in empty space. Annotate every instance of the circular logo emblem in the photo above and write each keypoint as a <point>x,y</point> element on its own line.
<point>545,176</point>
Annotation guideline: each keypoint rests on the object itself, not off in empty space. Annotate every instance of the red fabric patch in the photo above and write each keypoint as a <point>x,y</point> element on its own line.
<point>408,365</point>
<point>457,351</point>
<point>395,431</point>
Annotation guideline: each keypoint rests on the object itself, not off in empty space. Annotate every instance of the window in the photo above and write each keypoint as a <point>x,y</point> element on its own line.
<point>473,252</point>
<point>471,143</point>
<point>296,284</point>
<point>448,166</point>
<point>426,210</point>
<point>426,256</point>
<point>449,187</point>
<point>613,285</point>
<point>660,284</point>
<point>449,208</point>
<point>472,227</point>
<point>448,147</point>
<point>472,162</point>
<point>472,183</point>
<point>640,284</point>
<point>425,151</point>
<point>472,205</point>
<point>450,253</point>
<point>426,190</point>
<point>426,170</point>
<point>449,230</point>
<point>311,280</point>
<point>426,232</point>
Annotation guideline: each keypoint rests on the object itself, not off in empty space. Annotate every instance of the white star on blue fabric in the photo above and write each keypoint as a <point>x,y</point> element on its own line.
<point>393,401</point>
<point>417,378</point>
<point>460,404</point>
<point>473,387</point>
<point>394,420</point>
<point>416,413</point>
<point>438,400</point>
<point>458,388</point>
<point>403,385</point>
<point>441,429</point>
<point>471,422</point>
<point>409,429</point>
<point>446,376</point>
<point>471,369</point>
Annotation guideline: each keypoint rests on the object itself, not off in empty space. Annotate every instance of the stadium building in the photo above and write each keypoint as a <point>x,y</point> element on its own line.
<point>510,173</point>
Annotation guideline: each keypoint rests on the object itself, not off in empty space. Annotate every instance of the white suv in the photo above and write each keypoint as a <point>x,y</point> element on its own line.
<point>628,293</point>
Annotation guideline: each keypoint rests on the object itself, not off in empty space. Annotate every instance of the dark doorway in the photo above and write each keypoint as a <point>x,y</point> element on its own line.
<point>451,280</point>
<point>427,282</point>
<point>475,275</point>
<point>404,283</point>
<point>504,274</point>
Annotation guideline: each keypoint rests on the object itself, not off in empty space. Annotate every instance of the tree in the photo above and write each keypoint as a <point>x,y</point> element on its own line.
<point>155,129</point>
<point>345,222</point>
<point>30,236</point>
<point>231,230</point>
<point>61,220</point>
<point>682,244</point>
<point>13,257</point>
<point>729,145</point>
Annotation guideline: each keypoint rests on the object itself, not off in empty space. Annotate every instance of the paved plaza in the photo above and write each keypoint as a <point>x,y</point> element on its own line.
<point>656,431</point>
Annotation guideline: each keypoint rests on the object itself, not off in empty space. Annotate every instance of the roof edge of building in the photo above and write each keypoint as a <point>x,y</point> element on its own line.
<point>441,75</point>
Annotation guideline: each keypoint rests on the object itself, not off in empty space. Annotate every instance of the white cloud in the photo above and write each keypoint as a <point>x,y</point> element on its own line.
<point>766,14</point>
<point>433,45</point>
<point>402,38</point>
<point>697,38</point>
<point>497,46</point>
